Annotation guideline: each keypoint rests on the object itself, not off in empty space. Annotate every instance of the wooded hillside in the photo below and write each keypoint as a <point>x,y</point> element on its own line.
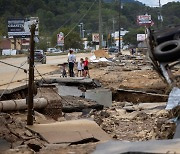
<point>54,14</point>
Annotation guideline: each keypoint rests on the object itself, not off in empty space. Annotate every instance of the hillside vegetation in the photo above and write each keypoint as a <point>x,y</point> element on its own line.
<point>55,14</point>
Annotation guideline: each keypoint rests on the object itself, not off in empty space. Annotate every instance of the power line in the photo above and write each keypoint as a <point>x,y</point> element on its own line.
<point>72,16</point>
<point>25,71</point>
<point>80,19</point>
<point>13,78</point>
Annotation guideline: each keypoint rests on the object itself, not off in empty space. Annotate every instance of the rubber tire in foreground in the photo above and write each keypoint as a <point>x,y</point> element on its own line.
<point>168,51</point>
<point>177,36</point>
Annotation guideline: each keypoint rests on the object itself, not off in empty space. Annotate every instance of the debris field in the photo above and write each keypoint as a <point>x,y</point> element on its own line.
<point>137,112</point>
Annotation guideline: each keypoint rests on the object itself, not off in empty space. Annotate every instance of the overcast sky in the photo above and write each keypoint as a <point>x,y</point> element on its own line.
<point>156,2</point>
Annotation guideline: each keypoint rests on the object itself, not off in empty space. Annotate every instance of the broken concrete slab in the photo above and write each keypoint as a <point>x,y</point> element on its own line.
<point>13,87</point>
<point>100,95</point>
<point>78,104</point>
<point>56,79</point>
<point>19,150</point>
<point>136,96</point>
<point>151,147</point>
<point>69,131</point>
<point>69,91</point>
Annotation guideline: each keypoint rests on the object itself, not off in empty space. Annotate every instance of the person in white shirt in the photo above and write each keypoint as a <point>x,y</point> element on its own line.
<point>71,61</point>
<point>80,67</point>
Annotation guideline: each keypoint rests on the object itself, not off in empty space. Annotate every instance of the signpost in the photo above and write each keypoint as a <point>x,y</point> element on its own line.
<point>95,37</point>
<point>60,39</point>
<point>144,20</point>
<point>141,37</point>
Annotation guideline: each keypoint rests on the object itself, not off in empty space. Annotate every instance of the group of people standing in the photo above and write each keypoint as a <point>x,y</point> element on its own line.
<point>82,65</point>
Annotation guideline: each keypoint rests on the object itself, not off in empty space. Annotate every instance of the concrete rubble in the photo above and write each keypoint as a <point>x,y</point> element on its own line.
<point>70,131</point>
<point>130,113</point>
<point>76,104</point>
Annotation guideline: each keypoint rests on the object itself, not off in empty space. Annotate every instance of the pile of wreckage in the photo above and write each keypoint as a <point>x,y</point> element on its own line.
<point>78,115</point>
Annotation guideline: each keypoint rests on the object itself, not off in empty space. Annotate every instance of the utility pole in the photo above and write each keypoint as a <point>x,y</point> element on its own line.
<point>100,25</point>
<point>31,78</point>
<point>119,26</point>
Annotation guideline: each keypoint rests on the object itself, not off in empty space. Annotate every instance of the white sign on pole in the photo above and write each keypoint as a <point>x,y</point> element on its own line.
<point>141,37</point>
<point>60,39</point>
<point>95,37</point>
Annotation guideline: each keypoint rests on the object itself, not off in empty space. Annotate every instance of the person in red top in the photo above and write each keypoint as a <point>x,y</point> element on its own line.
<point>86,69</point>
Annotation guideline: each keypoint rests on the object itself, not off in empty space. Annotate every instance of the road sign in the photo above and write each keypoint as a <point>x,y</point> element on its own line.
<point>60,39</point>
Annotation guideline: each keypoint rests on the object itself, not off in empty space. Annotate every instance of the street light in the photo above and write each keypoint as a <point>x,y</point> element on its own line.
<point>160,17</point>
<point>83,33</point>
<point>81,30</point>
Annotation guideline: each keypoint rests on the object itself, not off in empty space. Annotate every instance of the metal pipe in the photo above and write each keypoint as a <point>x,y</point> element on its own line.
<point>12,105</point>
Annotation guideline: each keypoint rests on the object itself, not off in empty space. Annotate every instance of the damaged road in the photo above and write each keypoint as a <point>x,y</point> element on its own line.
<point>136,111</point>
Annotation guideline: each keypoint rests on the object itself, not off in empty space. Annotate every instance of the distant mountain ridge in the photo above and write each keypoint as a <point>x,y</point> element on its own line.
<point>124,1</point>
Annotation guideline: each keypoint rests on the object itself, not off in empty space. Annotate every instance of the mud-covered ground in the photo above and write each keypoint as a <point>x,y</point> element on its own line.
<point>129,73</point>
<point>122,121</point>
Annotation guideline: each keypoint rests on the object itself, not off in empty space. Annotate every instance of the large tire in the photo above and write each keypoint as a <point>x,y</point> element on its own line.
<point>168,51</point>
<point>177,36</point>
<point>167,34</point>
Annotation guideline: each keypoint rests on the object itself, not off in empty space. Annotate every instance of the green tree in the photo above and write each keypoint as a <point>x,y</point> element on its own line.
<point>72,39</point>
<point>131,37</point>
<point>54,13</point>
<point>42,44</point>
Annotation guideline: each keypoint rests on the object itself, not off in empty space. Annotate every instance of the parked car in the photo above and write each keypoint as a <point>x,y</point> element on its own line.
<point>51,50</point>
<point>39,56</point>
<point>113,49</point>
<point>58,51</point>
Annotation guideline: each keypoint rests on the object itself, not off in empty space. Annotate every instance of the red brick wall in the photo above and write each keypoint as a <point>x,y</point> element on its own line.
<point>5,44</point>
